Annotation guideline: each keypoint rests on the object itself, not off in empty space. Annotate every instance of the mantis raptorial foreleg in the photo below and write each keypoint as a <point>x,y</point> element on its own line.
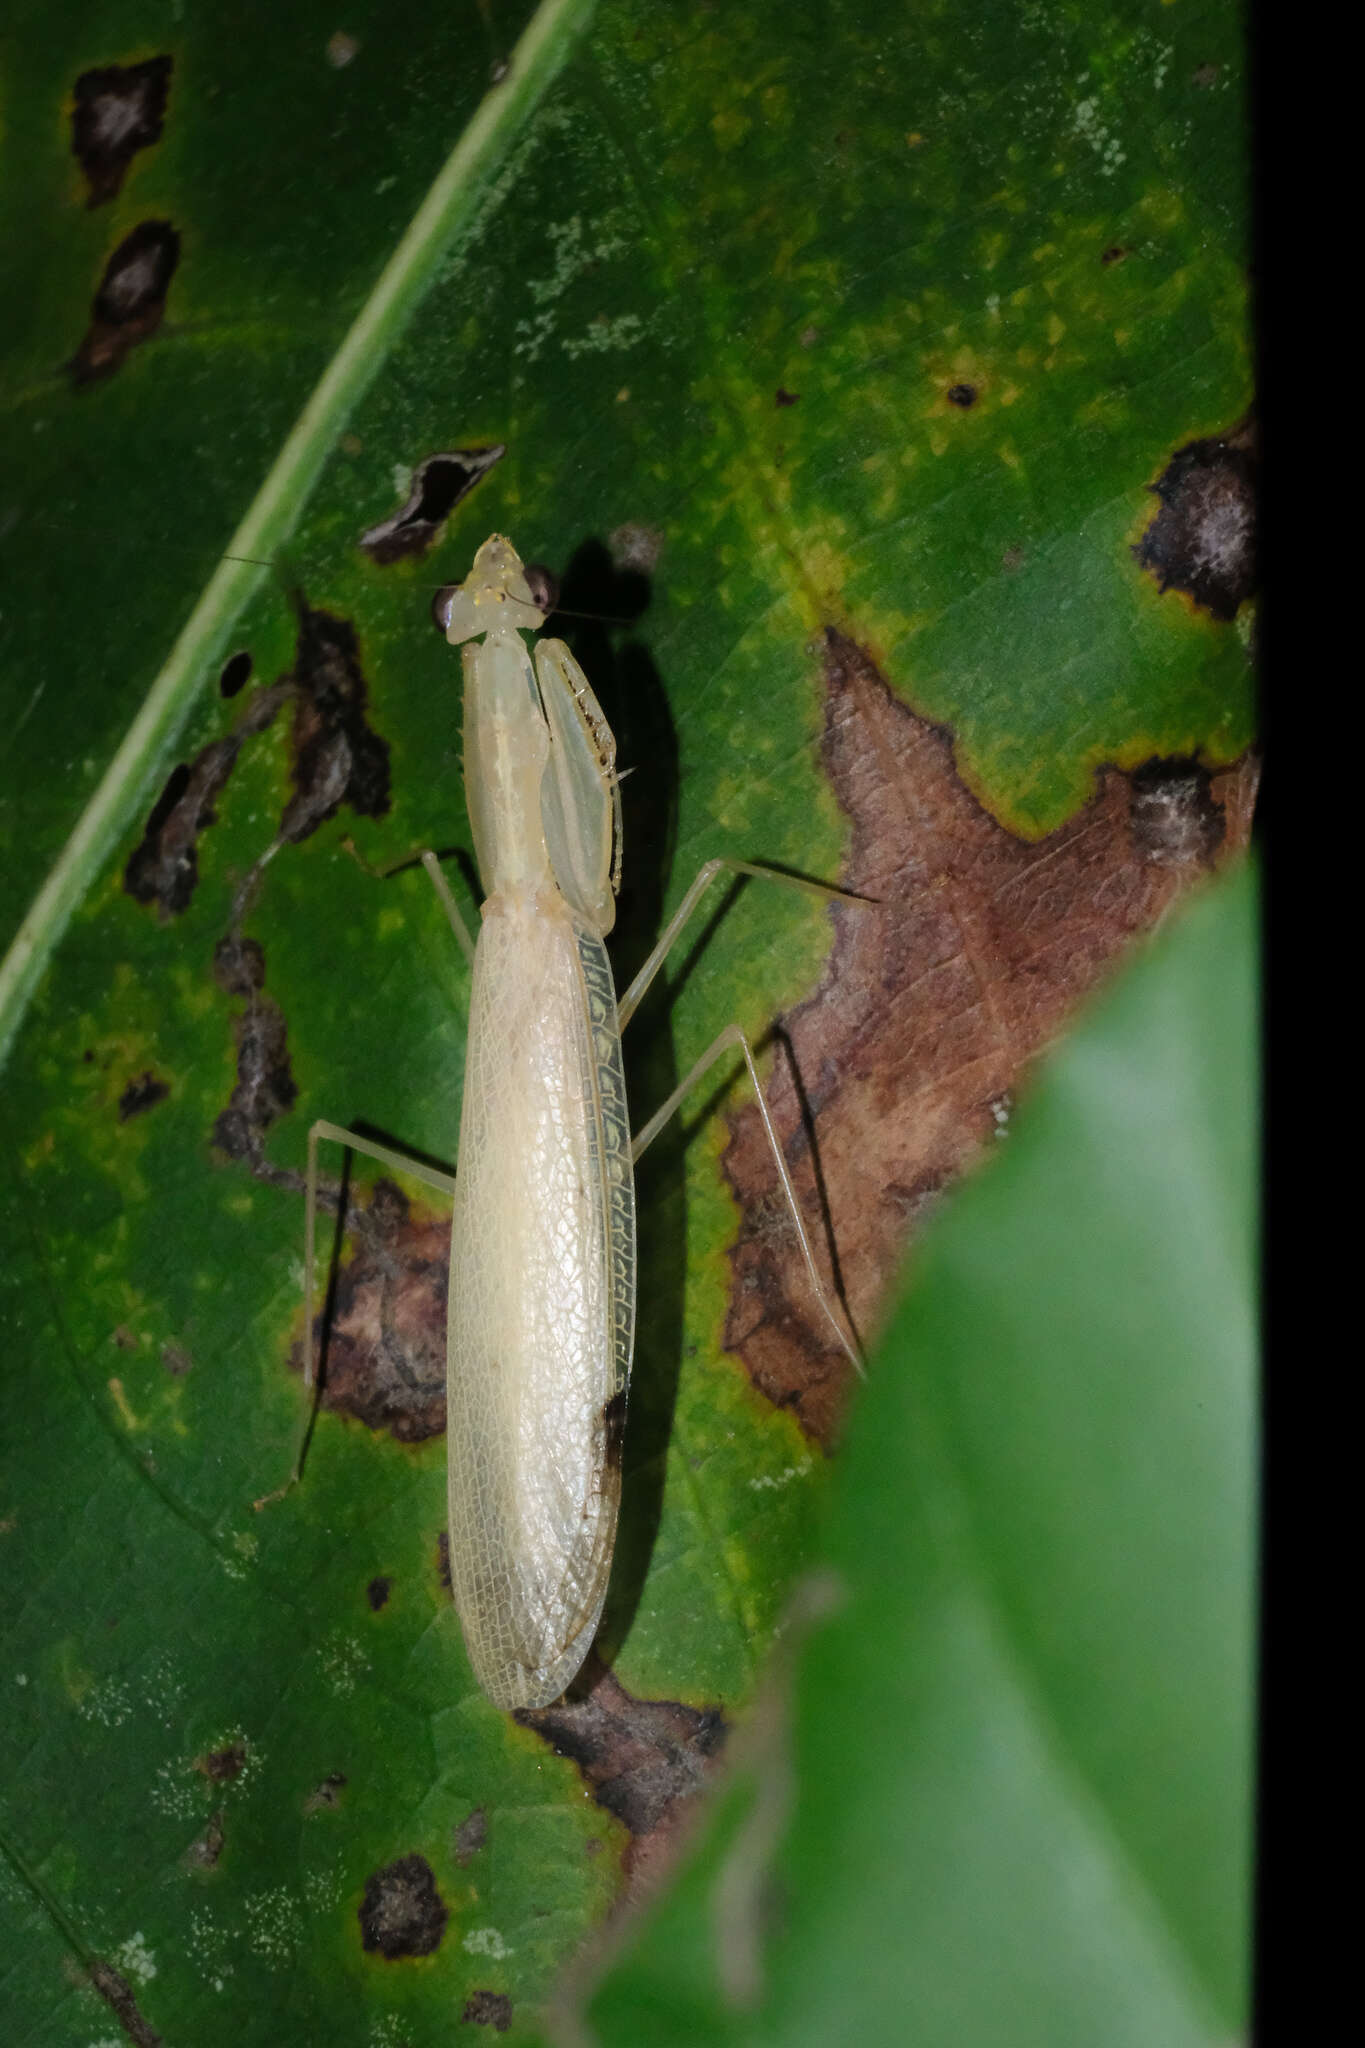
<point>432,863</point>
<point>448,904</point>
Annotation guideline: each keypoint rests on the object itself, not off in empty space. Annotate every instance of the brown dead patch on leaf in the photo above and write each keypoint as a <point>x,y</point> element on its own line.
<point>760,1769</point>
<point>326,1794</point>
<point>164,867</point>
<point>935,1000</point>
<point>470,1836</point>
<point>206,1848</point>
<point>488,2009</point>
<point>643,1760</point>
<point>385,1337</point>
<point>338,756</point>
<point>221,1766</point>
<point>121,2000</point>
<point>264,1088</point>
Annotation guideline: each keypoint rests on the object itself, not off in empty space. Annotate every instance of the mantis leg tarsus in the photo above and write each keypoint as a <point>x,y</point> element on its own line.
<point>733,1036</point>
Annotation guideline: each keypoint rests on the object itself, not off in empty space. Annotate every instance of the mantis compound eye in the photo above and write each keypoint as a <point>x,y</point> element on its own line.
<point>543,585</point>
<point>441,603</point>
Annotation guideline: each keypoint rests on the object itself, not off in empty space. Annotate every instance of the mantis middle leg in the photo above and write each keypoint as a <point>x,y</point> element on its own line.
<point>415,1170</point>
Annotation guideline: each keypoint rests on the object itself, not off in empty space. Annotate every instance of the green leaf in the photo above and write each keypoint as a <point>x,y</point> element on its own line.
<point>1010,1800</point>
<point>789,326</point>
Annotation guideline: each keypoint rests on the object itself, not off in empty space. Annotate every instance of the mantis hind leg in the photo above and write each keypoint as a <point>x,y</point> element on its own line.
<point>730,1037</point>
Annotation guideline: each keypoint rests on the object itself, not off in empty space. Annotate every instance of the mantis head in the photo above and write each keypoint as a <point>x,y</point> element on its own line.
<point>498,595</point>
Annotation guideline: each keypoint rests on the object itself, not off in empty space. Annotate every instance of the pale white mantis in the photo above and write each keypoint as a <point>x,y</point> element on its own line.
<point>542,1251</point>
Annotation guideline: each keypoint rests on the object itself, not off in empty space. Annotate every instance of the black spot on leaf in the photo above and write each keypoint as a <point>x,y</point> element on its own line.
<point>1203,539</point>
<point>438,485</point>
<point>402,1913</point>
<point>131,300</point>
<point>142,1094</point>
<point>1176,820</point>
<point>236,670</point>
<point>118,109</point>
<point>488,2009</point>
